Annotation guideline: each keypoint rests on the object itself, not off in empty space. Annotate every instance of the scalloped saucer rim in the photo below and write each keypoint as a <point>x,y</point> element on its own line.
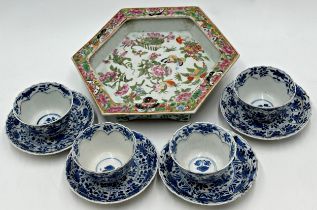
<point>57,151</point>
<point>213,203</point>
<point>128,198</point>
<point>258,137</point>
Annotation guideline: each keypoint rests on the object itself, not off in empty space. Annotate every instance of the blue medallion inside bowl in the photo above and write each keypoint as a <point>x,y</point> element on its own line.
<point>264,92</point>
<point>203,151</point>
<point>44,108</point>
<point>105,151</point>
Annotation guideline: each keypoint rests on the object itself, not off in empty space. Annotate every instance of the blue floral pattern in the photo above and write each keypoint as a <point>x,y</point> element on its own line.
<point>202,165</point>
<point>220,191</point>
<point>48,128</point>
<point>203,128</point>
<point>261,109</point>
<point>142,172</point>
<point>81,116</point>
<point>87,135</point>
<point>292,120</point>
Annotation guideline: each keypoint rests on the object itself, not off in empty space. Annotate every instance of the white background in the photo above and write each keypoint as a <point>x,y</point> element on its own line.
<point>38,38</point>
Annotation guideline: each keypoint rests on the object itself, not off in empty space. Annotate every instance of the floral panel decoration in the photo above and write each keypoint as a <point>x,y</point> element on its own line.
<point>154,68</point>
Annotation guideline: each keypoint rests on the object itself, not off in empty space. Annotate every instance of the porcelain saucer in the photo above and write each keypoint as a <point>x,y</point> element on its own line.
<point>219,192</point>
<point>82,116</point>
<point>293,120</point>
<point>141,174</point>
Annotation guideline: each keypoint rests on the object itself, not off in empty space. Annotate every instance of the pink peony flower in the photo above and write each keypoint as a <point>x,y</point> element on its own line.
<point>127,42</point>
<point>224,64</point>
<point>135,11</point>
<point>215,78</point>
<point>227,49</point>
<point>115,109</point>
<point>155,10</point>
<point>158,71</point>
<point>170,37</point>
<point>102,99</point>
<point>118,17</point>
<point>123,90</point>
<point>170,11</point>
<point>153,56</point>
<point>108,76</point>
<point>183,97</point>
<point>202,86</point>
<point>87,75</point>
<point>155,35</point>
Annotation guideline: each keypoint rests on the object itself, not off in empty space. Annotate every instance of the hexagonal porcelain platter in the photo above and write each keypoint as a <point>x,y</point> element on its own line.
<point>154,61</point>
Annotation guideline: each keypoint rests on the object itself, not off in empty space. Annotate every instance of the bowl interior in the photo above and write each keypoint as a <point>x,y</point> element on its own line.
<point>203,153</point>
<point>146,55</point>
<point>265,91</point>
<point>105,152</point>
<point>46,104</point>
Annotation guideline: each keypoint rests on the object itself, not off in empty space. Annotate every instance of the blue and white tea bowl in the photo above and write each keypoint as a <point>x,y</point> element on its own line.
<point>105,151</point>
<point>224,189</point>
<point>23,138</point>
<point>45,108</point>
<point>264,92</point>
<point>293,120</point>
<point>203,151</point>
<point>142,172</point>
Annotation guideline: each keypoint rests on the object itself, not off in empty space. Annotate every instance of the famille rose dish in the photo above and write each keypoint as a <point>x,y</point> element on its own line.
<point>23,137</point>
<point>149,63</point>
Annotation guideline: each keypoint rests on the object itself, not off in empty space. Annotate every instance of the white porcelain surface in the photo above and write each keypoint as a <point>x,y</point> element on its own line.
<point>43,105</point>
<point>203,147</point>
<point>266,89</point>
<point>105,150</point>
<point>185,26</point>
<point>203,151</point>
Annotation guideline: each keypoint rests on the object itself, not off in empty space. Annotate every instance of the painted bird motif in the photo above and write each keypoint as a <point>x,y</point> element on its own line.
<point>148,103</point>
<point>173,59</point>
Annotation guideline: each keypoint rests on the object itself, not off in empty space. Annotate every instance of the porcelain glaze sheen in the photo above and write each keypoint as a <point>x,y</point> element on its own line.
<point>44,107</point>
<point>203,151</point>
<point>142,172</point>
<point>23,138</point>
<point>293,120</point>
<point>227,188</point>
<point>105,151</point>
<point>264,92</point>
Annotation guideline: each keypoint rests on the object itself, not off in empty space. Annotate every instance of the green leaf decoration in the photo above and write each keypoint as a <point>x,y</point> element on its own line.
<point>196,94</point>
<point>206,58</point>
<point>196,82</point>
<point>86,66</point>
<point>191,69</point>
<point>196,66</point>
<point>178,77</point>
<point>187,82</point>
